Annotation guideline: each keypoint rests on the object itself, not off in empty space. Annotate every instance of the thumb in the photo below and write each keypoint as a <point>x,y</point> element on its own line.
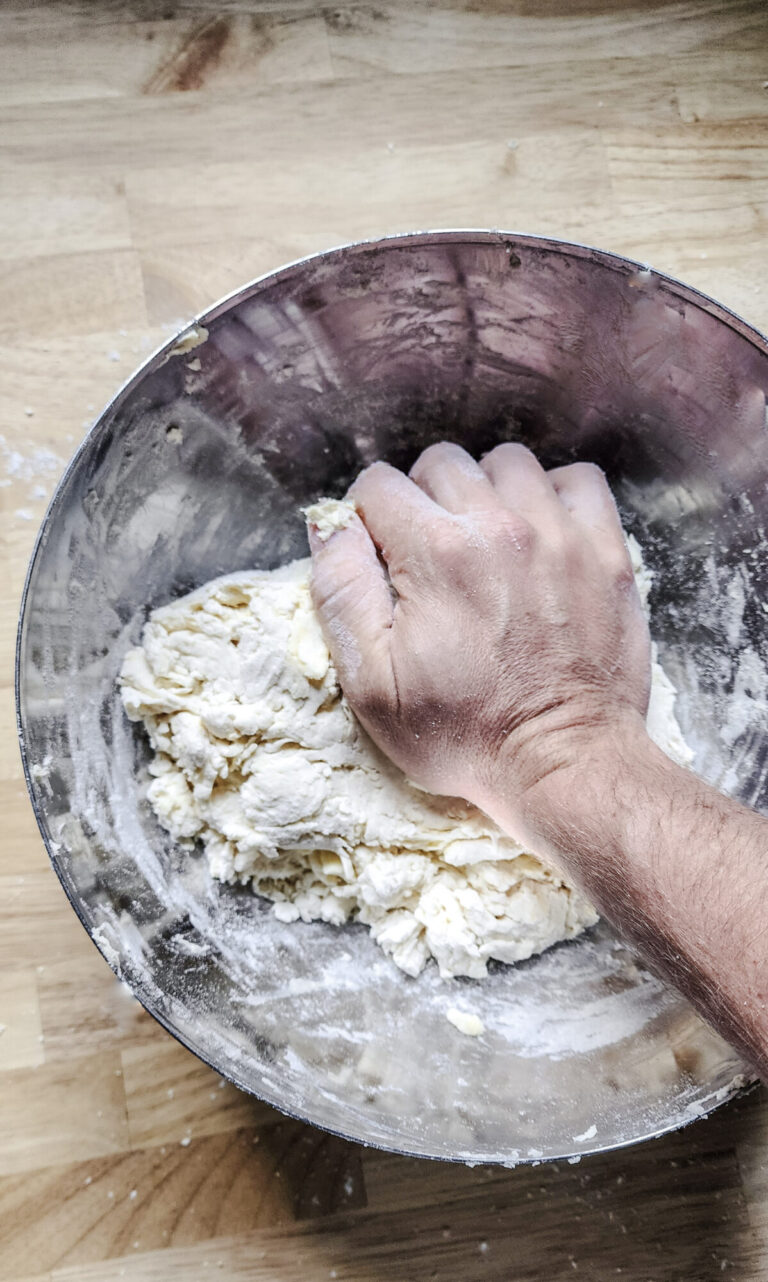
<point>354,604</point>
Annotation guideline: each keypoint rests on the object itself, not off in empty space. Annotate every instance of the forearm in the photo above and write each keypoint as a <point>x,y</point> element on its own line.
<point>680,870</point>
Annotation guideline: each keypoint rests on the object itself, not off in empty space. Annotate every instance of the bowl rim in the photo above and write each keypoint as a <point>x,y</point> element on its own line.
<point>741,1084</point>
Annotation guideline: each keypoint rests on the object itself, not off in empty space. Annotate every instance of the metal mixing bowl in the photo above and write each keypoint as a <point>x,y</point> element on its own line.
<point>200,466</point>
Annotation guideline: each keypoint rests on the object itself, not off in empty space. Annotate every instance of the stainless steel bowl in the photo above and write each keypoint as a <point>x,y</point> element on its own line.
<point>200,465</point>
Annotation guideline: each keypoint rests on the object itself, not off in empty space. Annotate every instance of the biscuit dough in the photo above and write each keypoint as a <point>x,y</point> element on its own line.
<point>466,1022</point>
<point>259,757</point>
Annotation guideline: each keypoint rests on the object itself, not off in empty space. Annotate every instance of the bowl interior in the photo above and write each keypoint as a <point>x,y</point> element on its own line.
<point>199,467</point>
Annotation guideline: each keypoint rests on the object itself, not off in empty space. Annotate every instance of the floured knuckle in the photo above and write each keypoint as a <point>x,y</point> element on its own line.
<point>370,479</point>
<point>587,472</point>
<point>506,452</point>
<point>378,468</point>
<point>513,532</point>
<point>434,455</point>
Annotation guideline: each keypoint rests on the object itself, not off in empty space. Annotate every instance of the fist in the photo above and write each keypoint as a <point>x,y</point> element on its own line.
<point>484,619</point>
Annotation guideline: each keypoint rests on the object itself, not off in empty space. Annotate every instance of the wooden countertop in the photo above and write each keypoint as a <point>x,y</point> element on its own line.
<point>154,156</point>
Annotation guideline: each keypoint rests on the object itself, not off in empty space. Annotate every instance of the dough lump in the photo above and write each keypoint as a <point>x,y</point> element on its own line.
<point>259,756</point>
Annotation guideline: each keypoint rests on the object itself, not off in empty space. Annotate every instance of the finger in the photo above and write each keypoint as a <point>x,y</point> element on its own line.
<point>354,604</point>
<point>453,479</point>
<point>520,481</point>
<point>393,509</point>
<point>584,492</point>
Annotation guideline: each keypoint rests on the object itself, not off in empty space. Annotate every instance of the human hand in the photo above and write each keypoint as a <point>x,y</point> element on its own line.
<point>511,667</point>
<point>484,620</point>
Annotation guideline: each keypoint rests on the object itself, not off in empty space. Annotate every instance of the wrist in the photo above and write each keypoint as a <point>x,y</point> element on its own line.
<point>562,791</point>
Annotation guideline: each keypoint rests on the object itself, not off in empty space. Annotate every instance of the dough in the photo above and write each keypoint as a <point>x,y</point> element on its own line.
<point>258,755</point>
<point>329,515</point>
<point>467,1023</point>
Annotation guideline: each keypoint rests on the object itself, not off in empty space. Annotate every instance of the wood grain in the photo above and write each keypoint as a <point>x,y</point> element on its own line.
<point>153,157</point>
<point>73,1111</point>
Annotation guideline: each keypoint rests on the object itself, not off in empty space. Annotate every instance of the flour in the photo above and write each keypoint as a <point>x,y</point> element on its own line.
<point>259,757</point>
<point>41,462</point>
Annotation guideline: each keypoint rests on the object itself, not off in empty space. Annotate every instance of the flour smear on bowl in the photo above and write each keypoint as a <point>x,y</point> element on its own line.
<point>258,755</point>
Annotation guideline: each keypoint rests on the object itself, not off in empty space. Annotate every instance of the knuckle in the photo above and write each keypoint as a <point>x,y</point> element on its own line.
<point>380,467</point>
<point>371,477</point>
<point>507,453</point>
<point>513,531</point>
<point>589,472</point>
<point>435,456</point>
<point>438,450</point>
